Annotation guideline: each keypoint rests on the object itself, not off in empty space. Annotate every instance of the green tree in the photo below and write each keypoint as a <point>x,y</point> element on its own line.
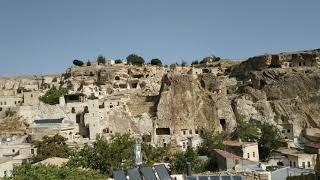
<point>247,131</point>
<point>153,154</point>
<point>78,62</point>
<point>51,147</point>
<point>195,62</point>
<point>39,172</point>
<point>269,140</point>
<point>105,155</point>
<point>101,60</point>
<point>118,61</point>
<point>183,63</point>
<point>88,63</point>
<point>52,95</point>
<point>135,59</point>
<point>210,141</point>
<point>156,62</point>
<point>179,163</point>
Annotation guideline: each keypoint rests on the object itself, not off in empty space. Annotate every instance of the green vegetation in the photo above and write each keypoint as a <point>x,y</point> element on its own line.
<point>39,172</point>
<point>52,95</point>
<point>179,163</point>
<point>101,60</point>
<point>195,62</point>
<point>135,60</point>
<point>153,155</point>
<point>104,155</point>
<point>211,140</point>
<point>269,140</point>
<point>51,147</point>
<point>247,131</point>
<point>78,62</point>
<point>88,63</point>
<point>118,61</point>
<point>156,62</point>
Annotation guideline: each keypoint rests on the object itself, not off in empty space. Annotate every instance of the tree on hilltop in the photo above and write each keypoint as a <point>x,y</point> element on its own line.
<point>156,62</point>
<point>135,59</point>
<point>101,60</point>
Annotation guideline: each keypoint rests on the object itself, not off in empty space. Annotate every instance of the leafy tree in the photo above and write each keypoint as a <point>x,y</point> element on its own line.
<point>101,59</point>
<point>195,62</point>
<point>135,59</point>
<point>118,61</point>
<point>156,62</point>
<point>269,140</point>
<point>105,155</point>
<point>52,95</point>
<point>211,140</point>
<point>247,131</point>
<point>39,172</point>
<point>51,147</point>
<point>88,63</point>
<point>78,62</point>
<point>153,154</point>
<point>179,163</point>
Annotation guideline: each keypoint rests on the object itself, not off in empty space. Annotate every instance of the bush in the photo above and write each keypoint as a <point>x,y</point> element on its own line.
<point>10,113</point>
<point>88,63</point>
<point>210,59</point>
<point>118,61</point>
<point>269,140</point>
<point>52,95</point>
<point>78,62</point>
<point>51,147</point>
<point>101,60</point>
<point>135,59</point>
<point>156,62</point>
<point>211,140</point>
<point>29,171</point>
<point>246,131</point>
<point>195,62</point>
<point>183,63</point>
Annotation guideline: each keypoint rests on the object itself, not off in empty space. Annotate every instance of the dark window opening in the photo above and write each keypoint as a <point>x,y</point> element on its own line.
<point>223,124</point>
<point>147,75</point>
<point>164,144</point>
<point>138,76</point>
<point>300,64</point>
<point>184,132</point>
<point>101,106</point>
<point>123,86</point>
<point>117,78</point>
<point>134,85</point>
<point>190,131</point>
<point>31,95</point>
<point>197,131</point>
<point>288,130</point>
<point>111,106</point>
<point>163,131</point>
<point>205,71</point>
<point>32,151</point>
<point>13,150</point>
<point>73,110</point>
<point>86,109</point>
<point>105,130</point>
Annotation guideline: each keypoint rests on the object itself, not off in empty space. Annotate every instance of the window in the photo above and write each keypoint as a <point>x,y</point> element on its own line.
<point>248,155</point>
<point>32,151</point>
<point>309,164</point>
<point>303,164</point>
<point>288,131</point>
<point>183,145</point>
<point>253,154</point>
<point>294,164</point>
<point>190,131</point>
<point>5,103</point>
<point>290,163</point>
<point>5,173</point>
<point>13,150</point>
<point>31,95</point>
<point>197,131</point>
<point>184,132</point>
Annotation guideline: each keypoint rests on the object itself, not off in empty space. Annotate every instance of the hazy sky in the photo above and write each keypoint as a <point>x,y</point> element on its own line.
<point>44,36</point>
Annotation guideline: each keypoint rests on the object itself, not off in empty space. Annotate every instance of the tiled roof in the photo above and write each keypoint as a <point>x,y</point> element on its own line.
<point>226,154</point>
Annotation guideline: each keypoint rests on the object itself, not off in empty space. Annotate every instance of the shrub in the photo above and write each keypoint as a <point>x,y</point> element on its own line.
<point>88,63</point>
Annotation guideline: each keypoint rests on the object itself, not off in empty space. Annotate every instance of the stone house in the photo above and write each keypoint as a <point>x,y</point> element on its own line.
<point>312,148</point>
<point>6,166</point>
<point>294,158</point>
<point>246,150</point>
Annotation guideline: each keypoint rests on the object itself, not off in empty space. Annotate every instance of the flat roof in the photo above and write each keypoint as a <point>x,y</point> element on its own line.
<point>237,143</point>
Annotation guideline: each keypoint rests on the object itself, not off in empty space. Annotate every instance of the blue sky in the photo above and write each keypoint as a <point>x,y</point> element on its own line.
<point>42,36</point>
